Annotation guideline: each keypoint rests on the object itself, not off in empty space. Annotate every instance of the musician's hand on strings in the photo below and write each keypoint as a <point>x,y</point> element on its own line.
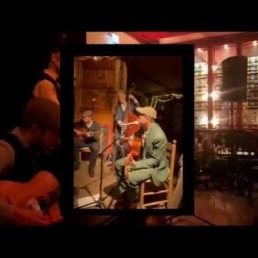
<point>88,134</point>
<point>132,161</point>
<point>33,204</point>
<point>120,123</point>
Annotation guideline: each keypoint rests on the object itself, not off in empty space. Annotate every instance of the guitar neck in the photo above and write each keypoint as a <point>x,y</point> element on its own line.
<point>84,132</point>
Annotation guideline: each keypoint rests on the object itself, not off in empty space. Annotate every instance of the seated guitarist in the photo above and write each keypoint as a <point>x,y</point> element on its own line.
<point>40,125</point>
<point>152,164</point>
<point>86,132</point>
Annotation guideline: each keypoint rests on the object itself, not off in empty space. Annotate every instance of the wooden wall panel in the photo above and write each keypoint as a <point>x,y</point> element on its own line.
<point>96,91</point>
<point>97,100</point>
<point>98,79</point>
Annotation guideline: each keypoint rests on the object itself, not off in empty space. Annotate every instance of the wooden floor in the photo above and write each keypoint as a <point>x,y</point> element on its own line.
<point>86,186</point>
<point>219,208</point>
<point>211,207</point>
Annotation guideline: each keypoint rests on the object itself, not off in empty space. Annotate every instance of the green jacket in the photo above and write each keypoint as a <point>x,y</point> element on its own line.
<point>154,155</point>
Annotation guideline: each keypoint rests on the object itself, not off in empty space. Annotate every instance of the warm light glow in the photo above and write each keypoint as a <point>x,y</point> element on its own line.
<point>201,67</point>
<point>199,50</point>
<point>214,121</point>
<point>205,68</point>
<point>214,68</point>
<point>214,95</point>
<point>204,120</point>
<point>204,96</point>
<point>254,43</point>
<point>112,38</point>
<point>226,46</point>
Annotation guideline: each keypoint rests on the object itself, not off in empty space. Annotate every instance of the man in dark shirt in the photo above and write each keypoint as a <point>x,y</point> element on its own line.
<point>87,135</point>
<point>48,86</point>
<point>40,125</point>
<point>123,108</point>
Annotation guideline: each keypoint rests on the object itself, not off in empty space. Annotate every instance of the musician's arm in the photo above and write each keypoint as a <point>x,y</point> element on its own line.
<point>95,128</point>
<point>78,129</point>
<point>134,100</point>
<point>156,157</point>
<point>136,103</point>
<point>6,156</point>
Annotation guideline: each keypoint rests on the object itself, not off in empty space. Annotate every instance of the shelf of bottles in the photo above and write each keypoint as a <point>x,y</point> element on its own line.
<point>222,110</point>
<point>222,118</point>
<point>250,107</point>
<point>201,95</point>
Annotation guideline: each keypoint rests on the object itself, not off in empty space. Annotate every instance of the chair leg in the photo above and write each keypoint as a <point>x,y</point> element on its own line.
<point>141,199</point>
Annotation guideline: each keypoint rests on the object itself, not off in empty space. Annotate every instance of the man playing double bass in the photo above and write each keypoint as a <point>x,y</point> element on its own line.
<point>123,108</point>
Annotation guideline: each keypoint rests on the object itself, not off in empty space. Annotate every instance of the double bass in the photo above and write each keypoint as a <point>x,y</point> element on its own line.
<point>134,143</point>
<point>127,134</point>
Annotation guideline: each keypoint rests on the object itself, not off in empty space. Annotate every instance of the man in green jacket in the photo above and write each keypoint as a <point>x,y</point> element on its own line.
<point>153,163</point>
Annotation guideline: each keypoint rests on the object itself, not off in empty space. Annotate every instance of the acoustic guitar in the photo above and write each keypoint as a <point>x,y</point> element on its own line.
<point>133,142</point>
<point>83,133</point>
<point>41,193</point>
<point>134,154</point>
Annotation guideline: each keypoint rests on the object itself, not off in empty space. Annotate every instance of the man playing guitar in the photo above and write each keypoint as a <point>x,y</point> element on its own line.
<point>151,165</point>
<point>86,135</point>
<point>22,183</point>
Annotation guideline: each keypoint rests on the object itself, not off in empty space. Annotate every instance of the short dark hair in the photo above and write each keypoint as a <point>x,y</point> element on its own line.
<point>54,44</point>
<point>42,112</point>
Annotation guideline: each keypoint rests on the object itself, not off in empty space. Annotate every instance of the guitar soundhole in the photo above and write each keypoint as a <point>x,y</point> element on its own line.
<point>46,203</point>
<point>44,206</point>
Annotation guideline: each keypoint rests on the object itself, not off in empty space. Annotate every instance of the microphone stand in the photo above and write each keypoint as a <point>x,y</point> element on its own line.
<point>100,201</point>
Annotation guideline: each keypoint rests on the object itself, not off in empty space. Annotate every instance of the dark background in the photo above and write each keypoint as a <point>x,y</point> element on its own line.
<point>24,53</point>
<point>22,60</point>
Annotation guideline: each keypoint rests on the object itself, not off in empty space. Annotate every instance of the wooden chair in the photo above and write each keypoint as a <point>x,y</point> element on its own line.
<point>102,139</point>
<point>164,193</point>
